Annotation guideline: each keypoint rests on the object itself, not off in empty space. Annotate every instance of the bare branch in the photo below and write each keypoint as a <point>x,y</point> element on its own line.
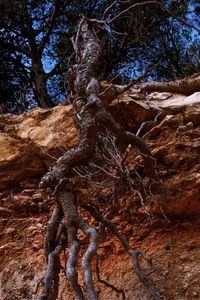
<point>50,25</point>
<point>110,86</point>
<point>179,19</point>
<point>129,8</point>
<point>108,9</point>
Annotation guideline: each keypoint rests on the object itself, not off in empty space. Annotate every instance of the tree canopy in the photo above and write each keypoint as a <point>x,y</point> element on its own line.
<point>36,49</point>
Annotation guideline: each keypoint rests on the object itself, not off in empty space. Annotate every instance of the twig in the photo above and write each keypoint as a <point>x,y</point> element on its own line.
<point>129,8</point>
<point>151,122</point>
<point>179,19</point>
<point>137,79</point>
<point>110,86</point>
<point>142,4</point>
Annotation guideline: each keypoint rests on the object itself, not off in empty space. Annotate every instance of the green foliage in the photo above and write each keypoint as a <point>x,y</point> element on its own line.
<point>156,38</point>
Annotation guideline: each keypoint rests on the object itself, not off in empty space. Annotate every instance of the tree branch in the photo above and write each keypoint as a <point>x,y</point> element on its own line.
<point>54,70</point>
<point>129,8</point>
<point>50,25</point>
<point>179,19</point>
<point>135,80</point>
<point>106,12</point>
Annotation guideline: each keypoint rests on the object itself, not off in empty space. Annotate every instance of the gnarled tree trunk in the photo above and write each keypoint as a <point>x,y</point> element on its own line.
<point>90,43</point>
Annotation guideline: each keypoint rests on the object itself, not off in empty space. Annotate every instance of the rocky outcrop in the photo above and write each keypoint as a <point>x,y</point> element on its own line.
<point>165,226</point>
<point>32,141</point>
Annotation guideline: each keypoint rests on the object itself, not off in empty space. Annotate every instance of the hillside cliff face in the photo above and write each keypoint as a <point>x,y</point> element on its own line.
<point>166,226</point>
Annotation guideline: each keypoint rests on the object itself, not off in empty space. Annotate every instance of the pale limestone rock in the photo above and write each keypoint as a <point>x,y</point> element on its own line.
<point>178,102</point>
<point>160,96</point>
<point>47,127</point>
<point>27,138</point>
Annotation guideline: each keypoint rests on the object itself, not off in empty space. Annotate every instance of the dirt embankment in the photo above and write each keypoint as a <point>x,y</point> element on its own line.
<point>166,226</point>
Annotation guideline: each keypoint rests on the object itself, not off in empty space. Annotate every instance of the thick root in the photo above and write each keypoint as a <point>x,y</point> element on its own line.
<point>132,252</point>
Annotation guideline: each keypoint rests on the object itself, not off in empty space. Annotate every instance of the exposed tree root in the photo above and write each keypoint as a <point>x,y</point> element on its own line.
<point>71,272</point>
<point>51,280</point>
<point>50,237</point>
<point>92,118</point>
<point>133,253</point>
<point>150,124</point>
<point>186,86</point>
<point>72,222</point>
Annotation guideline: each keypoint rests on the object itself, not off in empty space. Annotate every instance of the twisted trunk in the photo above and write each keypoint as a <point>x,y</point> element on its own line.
<point>90,43</point>
<point>91,114</point>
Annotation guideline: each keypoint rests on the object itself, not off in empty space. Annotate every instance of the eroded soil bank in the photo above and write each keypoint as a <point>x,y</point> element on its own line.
<point>166,226</point>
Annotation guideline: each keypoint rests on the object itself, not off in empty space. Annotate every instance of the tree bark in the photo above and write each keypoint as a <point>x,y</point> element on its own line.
<point>40,82</point>
<point>92,118</point>
<point>91,114</point>
<point>186,86</point>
